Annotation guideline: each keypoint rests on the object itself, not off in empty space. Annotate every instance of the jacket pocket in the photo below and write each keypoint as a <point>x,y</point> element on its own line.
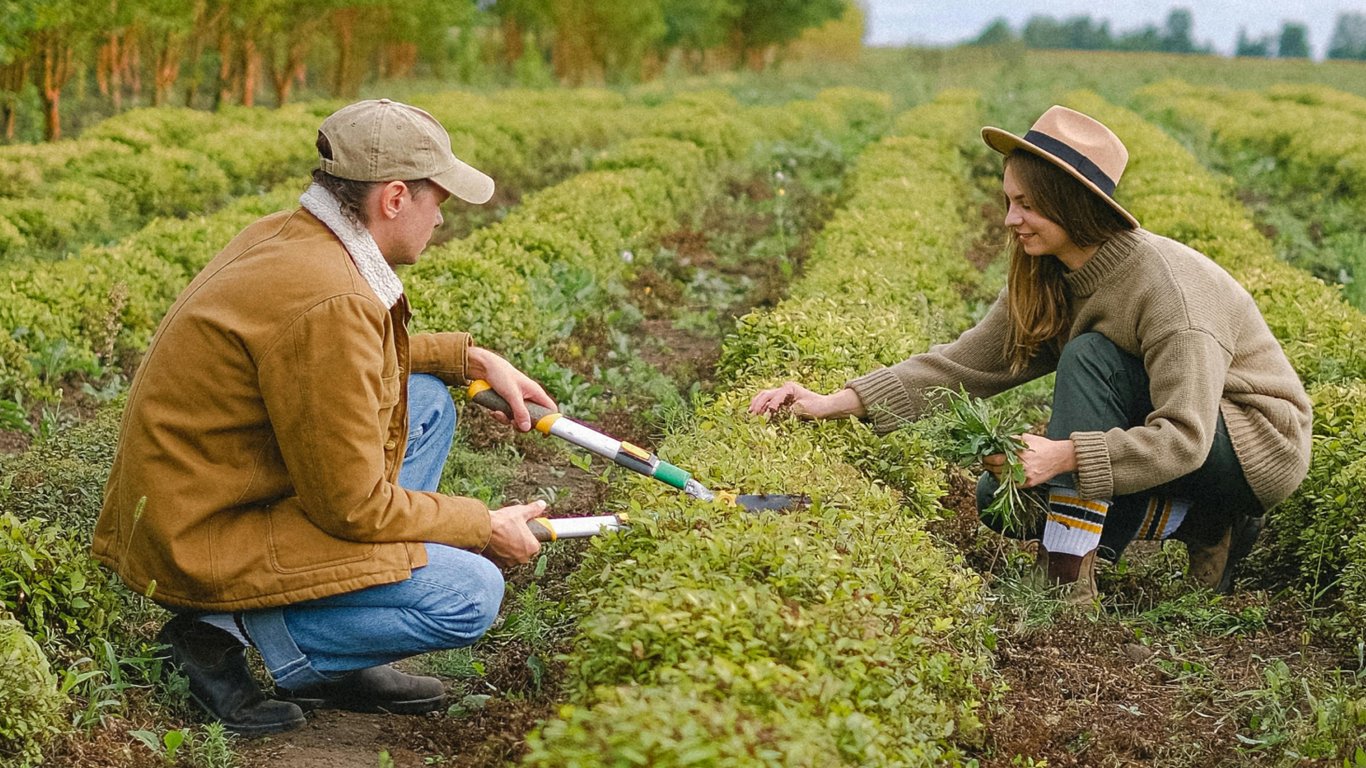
<point>297,545</point>
<point>390,388</point>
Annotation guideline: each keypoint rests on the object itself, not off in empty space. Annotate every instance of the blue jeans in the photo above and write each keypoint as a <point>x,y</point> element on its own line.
<point>448,603</point>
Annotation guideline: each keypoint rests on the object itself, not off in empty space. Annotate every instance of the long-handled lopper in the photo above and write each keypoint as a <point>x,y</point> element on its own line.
<point>632,457</point>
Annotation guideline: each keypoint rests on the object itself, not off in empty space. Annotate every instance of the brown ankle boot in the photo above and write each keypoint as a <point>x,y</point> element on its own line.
<point>1211,564</point>
<point>1073,577</point>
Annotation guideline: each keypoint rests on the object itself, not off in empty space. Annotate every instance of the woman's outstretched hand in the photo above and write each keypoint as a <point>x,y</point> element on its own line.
<point>801,402</point>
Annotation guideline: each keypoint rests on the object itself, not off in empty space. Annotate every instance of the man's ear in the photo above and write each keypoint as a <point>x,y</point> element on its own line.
<point>390,199</point>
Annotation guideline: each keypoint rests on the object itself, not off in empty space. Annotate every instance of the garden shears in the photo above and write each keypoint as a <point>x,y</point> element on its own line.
<point>625,454</point>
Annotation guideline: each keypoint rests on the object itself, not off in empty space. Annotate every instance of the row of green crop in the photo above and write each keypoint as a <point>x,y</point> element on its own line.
<point>499,284</point>
<point>172,161</point>
<point>82,314</point>
<point>838,635</point>
<point>1299,154</point>
<point>1320,533</point>
<point>1316,145</point>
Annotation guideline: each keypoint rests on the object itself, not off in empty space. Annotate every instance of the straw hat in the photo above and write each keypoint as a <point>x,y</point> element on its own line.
<point>1079,145</point>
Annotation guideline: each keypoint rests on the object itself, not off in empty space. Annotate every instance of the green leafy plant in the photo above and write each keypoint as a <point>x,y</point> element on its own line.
<point>972,430</point>
<point>212,748</point>
<point>167,745</point>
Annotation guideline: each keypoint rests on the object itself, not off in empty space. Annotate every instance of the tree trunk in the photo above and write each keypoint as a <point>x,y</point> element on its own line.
<point>52,74</point>
<point>167,67</point>
<point>344,21</point>
<point>204,22</point>
<point>225,68</point>
<point>513,43</point>
<point>12,79</point>
<point>399,59</point>
<point>132,63</point>
<point>251,70</point>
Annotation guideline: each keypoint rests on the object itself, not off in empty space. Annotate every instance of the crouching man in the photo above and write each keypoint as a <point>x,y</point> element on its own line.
<point>275,482</point>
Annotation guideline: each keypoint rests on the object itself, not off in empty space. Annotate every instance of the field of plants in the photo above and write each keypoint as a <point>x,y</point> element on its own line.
<point>655,255</point>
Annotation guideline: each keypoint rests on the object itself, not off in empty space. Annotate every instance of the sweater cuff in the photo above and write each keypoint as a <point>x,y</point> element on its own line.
<point>1094,477</point>
<point>443,355</point>
<point>885,399</point>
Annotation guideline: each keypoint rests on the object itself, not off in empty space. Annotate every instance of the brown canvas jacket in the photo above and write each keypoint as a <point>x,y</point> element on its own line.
<point>259,452</point>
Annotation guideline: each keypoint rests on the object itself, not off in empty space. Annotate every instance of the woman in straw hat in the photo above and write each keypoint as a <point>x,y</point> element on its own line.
<point>1175,411</point>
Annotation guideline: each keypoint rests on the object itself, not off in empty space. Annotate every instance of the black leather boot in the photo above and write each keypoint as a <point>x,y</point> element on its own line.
<point>377,689</point>
<point>215,663</point>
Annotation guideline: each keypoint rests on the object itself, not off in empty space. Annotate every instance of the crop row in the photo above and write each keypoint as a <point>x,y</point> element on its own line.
<point>1315,137</point>
<point>49,496</point>
<point>81,314</point>
<point>172,161</point>
<point>1320,533</point>
<point>839,635</point>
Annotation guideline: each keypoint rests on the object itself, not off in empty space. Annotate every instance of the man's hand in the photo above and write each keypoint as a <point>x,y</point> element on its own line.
<point>1043,459</point>
<point>510,540</point>
<point>513,385</point>
<point>803,403</point>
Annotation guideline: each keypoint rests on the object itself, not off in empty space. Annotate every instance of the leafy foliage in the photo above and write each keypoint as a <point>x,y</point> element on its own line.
<point>30,703</point>
<point>971,429</point>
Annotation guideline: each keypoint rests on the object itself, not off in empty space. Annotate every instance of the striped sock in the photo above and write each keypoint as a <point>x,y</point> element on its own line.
<point>1074,524</point>
<point>1163,516</point>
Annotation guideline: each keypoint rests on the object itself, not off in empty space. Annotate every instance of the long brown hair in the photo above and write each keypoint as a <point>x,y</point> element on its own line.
<point>1037,297</point>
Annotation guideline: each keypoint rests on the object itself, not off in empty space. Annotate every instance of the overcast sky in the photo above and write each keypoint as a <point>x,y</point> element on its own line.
<point>898,22</point>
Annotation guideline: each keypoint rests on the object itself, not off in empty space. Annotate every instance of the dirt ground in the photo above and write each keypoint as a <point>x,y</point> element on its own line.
<point>1114,688</point>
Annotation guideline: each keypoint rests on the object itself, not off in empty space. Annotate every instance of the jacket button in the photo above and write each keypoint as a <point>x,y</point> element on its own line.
<point>391,445</point>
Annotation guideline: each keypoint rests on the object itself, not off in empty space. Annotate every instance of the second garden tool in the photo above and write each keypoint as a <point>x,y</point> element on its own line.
<point>633,457</point>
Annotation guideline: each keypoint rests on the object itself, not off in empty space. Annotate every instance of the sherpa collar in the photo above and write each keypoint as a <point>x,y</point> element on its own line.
<point>357,241</point>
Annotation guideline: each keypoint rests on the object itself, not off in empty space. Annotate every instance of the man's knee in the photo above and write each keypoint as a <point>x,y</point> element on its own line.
<point>468,594</point>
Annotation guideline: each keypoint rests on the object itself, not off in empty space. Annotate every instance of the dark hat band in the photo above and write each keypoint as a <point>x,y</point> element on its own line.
<point>1079,162</point>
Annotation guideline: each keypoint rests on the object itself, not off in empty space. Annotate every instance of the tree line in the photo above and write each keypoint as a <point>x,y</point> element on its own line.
<point>219,52</point>
<point>1174,36</point>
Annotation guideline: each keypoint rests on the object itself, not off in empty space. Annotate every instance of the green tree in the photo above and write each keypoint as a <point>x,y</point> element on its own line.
<point>1043,32</point>
<point>1247,46</point>
<point>63,31</point>
<point>520,20</point>
<point>765,24</point>
<point>1349,37</point>
<point>167,26</point>
<point>696,26</point>
<point>17,21</point>
<point>998,32</point>
<point>604,38</point>
<point>1176,36</point>
<point>1294,41</point>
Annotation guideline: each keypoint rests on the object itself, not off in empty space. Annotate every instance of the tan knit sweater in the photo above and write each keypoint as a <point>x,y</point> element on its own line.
<point>1205,347</point>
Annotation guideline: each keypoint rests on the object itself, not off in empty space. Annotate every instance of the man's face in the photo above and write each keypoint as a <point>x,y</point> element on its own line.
<point>417,219</point>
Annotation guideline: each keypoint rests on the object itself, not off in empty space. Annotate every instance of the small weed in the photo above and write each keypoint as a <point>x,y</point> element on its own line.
<point>166,746</point>
<point>212,748</point>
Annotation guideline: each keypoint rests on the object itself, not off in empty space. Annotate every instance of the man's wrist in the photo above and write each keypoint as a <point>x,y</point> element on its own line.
<point>475,362</point>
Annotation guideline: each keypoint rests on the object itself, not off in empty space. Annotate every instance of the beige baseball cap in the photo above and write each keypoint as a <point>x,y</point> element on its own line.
<point>383,140</point>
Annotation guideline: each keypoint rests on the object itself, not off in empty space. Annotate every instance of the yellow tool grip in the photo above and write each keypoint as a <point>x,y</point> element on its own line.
<point>542,529</point>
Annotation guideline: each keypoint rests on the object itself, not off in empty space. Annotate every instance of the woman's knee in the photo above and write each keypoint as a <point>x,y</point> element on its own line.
<point>1092,351</point>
